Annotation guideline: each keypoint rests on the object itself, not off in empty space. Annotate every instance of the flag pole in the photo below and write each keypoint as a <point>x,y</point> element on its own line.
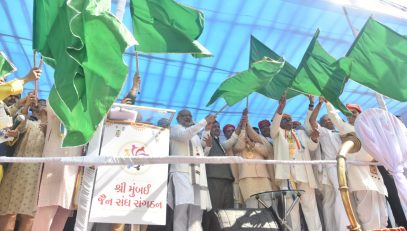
<point>36,81</point>
<point>35,58</point>
<point>247,102</point>
<point>220,110</point>
<point>137,73</point>
<point>41,62</point>
<point>379,97</point>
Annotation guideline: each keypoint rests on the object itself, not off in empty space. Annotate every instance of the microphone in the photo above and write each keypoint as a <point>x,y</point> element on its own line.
<point>17,121</point>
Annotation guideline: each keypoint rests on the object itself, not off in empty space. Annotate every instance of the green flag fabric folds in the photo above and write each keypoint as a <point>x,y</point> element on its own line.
<point>379,60</point>
<point>320,74</point>
<point>6,67</point>
<point>244,83</point>
<point>165,26</point>
<point>57,32</point>
<point>275,88</point>
<point>90,58</point>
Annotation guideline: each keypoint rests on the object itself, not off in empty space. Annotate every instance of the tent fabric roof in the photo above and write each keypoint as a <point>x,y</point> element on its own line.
<point>177,81</point>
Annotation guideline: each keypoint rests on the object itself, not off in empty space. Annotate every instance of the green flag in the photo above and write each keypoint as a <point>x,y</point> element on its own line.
<point>57,29</point>
<point>165,26</point>
<point>6,67</point>
<point>104,40</point>
<point>379,60</point>
<point>275,88</point>
<point>244,83</point>
<point>320,74</point>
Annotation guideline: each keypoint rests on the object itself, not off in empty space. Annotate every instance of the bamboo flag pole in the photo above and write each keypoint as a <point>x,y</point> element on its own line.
<point>379,97</point>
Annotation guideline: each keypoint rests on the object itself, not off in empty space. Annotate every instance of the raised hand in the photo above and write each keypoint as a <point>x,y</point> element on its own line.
<point>281,105</point>
<point>208,141</point>
<point>127,101</point>
<point>245,112</point>
<point>31,99</point>
<point>34,74</point>
<point>210,118</point>
<point>208,126</point>
<point>311,99</point>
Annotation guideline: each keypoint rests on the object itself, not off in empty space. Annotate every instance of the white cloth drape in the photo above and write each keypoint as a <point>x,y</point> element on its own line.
<point>384,136</point>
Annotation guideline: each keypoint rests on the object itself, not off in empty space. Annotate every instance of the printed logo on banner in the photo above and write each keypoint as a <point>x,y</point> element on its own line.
<point>138,149</point>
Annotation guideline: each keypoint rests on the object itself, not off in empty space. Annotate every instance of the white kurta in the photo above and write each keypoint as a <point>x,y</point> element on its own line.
<point>359,177</point>
<point>188,184</point>
<point>365,182</point>
<point>303,173</point>
<point>58,181</point>
<point>334,211</point>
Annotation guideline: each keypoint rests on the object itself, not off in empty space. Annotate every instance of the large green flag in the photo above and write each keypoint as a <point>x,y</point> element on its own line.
<point>57,35</point>
<point>244,83</point>
<point>165,26</point>
<point>320,74</point>
<point>277,87</point>
<point>104,40</point>
<point>6,66</point>
<point>379,60</point>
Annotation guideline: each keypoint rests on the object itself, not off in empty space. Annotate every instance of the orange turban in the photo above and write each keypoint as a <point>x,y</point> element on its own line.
<point>287,116</point>
<point>228,126</point>
<point>352,106</point>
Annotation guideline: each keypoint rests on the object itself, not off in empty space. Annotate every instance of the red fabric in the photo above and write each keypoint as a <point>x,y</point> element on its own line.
<point>228,126</point>
<point>264,123</point>
<point>352,106</point>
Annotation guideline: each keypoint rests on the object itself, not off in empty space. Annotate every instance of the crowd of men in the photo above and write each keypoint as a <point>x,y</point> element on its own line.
<point>41,202</point>
<point>33,197</point>
<point>196,191</point>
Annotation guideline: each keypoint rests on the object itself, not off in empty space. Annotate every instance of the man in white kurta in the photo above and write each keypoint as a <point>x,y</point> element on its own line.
<point>188,191</point>
<point>295,145</point>
<point>365,182</point>
<point>335,217</point>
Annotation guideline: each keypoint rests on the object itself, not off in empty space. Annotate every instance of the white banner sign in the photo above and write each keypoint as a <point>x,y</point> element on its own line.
<point>131,194</point>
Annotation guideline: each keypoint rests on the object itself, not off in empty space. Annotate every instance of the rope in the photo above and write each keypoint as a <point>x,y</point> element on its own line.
<point>115,160</point>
